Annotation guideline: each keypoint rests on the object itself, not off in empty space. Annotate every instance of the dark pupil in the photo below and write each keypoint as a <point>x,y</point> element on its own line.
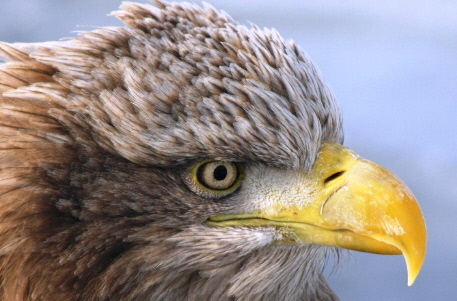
<point>220,172</point>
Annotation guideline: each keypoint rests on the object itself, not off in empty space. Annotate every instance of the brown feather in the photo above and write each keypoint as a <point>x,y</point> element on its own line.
<point>95,133</point>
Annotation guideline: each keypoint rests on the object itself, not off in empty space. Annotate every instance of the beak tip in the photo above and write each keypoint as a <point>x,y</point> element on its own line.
<point>411,280</point>
<point>414,268</point>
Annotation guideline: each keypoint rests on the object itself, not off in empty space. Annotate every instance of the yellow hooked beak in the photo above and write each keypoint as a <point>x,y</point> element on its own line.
<point>357,205</point>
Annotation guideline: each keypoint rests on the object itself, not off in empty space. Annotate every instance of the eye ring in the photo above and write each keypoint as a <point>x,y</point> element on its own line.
<point>215,178</point>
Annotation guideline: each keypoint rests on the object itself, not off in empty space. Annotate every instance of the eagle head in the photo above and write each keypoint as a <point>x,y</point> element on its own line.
<point>182,157</point>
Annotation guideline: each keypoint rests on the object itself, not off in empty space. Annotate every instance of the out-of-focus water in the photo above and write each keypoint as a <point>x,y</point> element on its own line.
<point>392,66</point>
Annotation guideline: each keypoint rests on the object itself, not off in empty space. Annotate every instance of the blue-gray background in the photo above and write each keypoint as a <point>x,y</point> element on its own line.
<point>392,65</point>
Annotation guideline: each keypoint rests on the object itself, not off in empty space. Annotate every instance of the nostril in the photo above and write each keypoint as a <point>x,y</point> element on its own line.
<point>334,176</point>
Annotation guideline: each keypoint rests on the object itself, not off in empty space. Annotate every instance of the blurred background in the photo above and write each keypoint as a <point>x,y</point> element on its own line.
<point>392,65</point>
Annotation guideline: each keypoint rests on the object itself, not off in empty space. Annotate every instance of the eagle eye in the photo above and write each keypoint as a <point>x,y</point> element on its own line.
<point>215,178</point>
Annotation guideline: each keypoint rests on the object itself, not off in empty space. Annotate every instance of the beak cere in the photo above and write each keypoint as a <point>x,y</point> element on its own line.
<point>358,205</point>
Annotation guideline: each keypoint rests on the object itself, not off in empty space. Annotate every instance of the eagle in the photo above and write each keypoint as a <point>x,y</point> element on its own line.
<point>183,156</point>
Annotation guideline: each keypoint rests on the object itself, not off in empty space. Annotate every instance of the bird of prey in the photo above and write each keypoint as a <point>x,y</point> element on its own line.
<point>182,156</point>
